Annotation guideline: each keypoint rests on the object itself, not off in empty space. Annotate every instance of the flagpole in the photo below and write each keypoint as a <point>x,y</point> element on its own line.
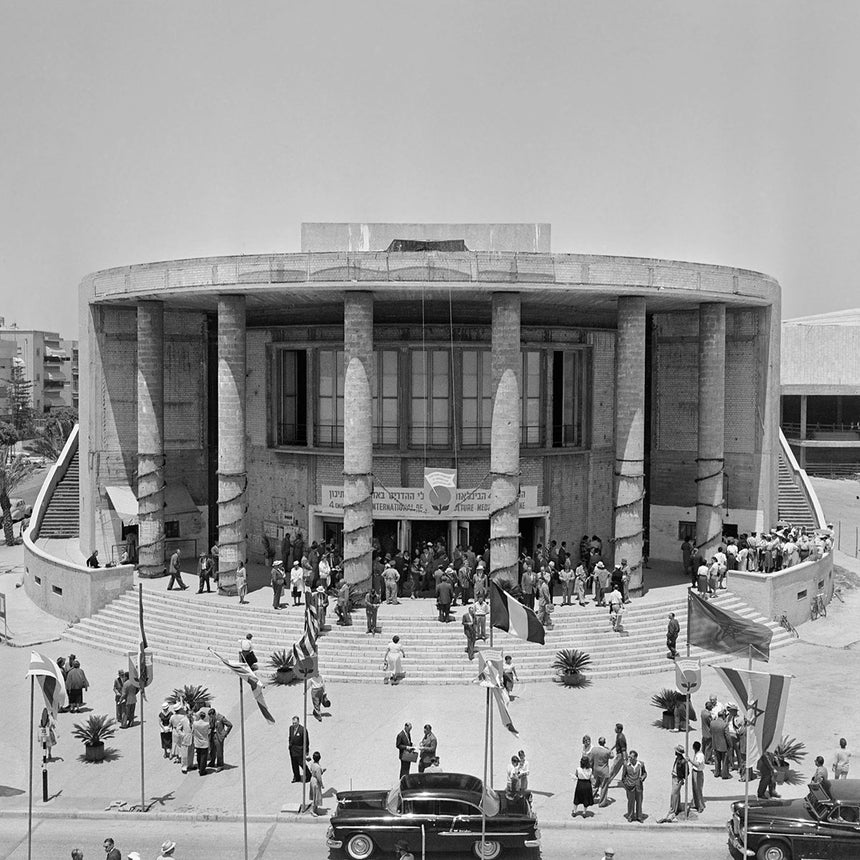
<point>489,702</point>
<point>142,790</point>
<point>687,727</point>
<point>305,750</point>
<point>30,793</point>
<point>244,785</point>
<point>746,763</point>
<point>487,718</point>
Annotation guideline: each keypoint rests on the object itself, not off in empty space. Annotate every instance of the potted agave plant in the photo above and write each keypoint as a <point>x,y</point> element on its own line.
<point>194,696</point>
<point>673,706</point>
<point>568,664</point>
<point>788,750</point>
<point>282,662</point>
<point>94,732</point>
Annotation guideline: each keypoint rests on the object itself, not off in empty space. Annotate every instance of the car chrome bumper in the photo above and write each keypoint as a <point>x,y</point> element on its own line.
<point>736,846</point>
<point>531,843</point>
<point>334,843</point>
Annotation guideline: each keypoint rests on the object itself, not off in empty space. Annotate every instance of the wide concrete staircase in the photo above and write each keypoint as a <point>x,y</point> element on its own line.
<point>62,517</point>
<point>179,630</point>
<point>793,504</point>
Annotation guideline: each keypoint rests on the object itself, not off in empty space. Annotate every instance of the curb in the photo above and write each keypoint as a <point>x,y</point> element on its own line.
<point>295,818</point>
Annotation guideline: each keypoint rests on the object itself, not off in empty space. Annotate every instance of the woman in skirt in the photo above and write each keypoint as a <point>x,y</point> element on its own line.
<point>583,794</point>
<point>392,662</point>
<point>164,716</point>
<point>316,784</point>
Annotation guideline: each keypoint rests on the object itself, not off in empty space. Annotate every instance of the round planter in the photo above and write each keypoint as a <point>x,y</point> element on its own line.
<point>94,752</point>
<point>780,774</point>
<point>668,721</point>
<point>571,679</point>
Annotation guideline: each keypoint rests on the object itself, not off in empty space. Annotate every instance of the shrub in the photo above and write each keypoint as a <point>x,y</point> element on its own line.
<point>667,699</point>
<point>193,696</point>
<point>790,750</point>
<point>96,730</point>
<point>568,664</point>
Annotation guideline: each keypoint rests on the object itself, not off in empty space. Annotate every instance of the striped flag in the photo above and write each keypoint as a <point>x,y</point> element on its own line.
<point>243,670</point>
<point>765,697</point>
<point>490,675</point>
<point>306,647</point>
<point>717,629</point>
<point>50,680</point>
<point>507,613</point>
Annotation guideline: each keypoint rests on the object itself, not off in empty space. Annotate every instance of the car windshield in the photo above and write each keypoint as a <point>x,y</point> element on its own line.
<point>815,805</point>
<point>392,802</point>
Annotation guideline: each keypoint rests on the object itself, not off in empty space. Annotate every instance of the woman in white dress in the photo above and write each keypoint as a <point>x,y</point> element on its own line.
<point>392,663</point>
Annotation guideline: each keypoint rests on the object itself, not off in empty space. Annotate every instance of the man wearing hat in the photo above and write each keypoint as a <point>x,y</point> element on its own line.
<point>278,580</point>
<point>167,849</point>
<point>679,776</point>
<point>390,577</point>
<point>200,730</point>
<point>602,578</point>
<point>204,572</point>
<point>608,854</point>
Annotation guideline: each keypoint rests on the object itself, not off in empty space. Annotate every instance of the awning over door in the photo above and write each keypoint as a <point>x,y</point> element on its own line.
<point>124,502</point>
<point>176,496</point>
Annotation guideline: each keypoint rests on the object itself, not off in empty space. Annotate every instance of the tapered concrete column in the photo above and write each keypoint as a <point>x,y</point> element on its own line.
<point>232,474</point>
<point>629,483</point>
<point>150,438</point>
<point>357,437</point>
<point>505,440</point>
<point>712,396</point>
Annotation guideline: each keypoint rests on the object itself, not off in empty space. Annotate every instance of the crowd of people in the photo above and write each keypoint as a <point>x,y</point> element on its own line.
<point>758,552</point>
<point>111,852</point>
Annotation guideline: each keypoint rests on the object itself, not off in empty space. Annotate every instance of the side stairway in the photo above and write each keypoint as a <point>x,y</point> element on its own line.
<point>179,631</point>
<point>62,517</point>
<point>793,506</point>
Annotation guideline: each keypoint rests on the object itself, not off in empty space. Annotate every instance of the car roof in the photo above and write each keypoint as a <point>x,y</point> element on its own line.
<point>436,782</point>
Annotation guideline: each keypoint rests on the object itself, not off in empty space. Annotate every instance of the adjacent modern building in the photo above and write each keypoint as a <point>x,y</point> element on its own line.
<point>8,354</point>
<point>49,364</point>
<point>397,383</point>
<point>821,391</point>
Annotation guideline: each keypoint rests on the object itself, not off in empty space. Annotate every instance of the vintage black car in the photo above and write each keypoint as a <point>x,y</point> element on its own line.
<point>432,812</point>
<point>825,824</point>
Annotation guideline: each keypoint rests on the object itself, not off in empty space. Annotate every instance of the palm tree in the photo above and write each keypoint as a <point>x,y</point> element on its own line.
<point>13,469</point>
<point>50,439</point>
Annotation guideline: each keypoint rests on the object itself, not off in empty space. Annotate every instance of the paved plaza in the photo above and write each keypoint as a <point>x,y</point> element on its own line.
<point>356,738</point>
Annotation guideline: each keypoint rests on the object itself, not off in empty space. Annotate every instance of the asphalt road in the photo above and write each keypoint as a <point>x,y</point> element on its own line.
<point>54,839</point>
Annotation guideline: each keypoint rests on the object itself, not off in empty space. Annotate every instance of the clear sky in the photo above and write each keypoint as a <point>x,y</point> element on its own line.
<point>723,132</point>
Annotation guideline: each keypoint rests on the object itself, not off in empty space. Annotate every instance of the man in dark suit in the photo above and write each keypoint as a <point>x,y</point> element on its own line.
<point>427,749</point>
<point>444,595</point>
<point>298,745</point>
<point>720,745</point>
<point>403,744</point>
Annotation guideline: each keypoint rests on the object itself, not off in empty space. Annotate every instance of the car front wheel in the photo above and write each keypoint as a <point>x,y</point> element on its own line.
<point>487,850</point>
<point>360,846</point>
<point>773,851</point>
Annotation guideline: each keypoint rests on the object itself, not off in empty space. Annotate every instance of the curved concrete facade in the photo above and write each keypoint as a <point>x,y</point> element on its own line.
<point>431,322</point>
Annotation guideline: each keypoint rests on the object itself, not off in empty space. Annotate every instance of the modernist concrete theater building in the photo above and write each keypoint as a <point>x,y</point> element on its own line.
<point>573,394</point>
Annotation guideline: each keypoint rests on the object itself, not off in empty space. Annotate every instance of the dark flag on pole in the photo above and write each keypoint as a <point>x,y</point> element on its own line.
<point>142,668</point>
<point>507,613</point>
<point>722,630</point>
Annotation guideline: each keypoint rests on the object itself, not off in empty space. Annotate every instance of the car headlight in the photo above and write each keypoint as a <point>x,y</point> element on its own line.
<point>330,832</point>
